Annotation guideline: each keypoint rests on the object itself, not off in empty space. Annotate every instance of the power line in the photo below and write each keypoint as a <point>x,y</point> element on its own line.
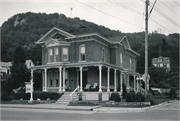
<point>108,14</point>
<point>168,7</point>
<point>165,16</point>
<point>138,13</point>
<point>176,3</point>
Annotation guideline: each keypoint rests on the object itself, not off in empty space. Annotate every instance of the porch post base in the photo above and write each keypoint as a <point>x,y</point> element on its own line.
<point>100,96</point>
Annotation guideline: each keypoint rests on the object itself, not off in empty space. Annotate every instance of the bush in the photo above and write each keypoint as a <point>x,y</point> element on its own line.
<point>115,97</point>
<point>4,96</point>
<point>36,95</point>
<point>172,93</point>
<point>150,97</point>
<point>134,97</point>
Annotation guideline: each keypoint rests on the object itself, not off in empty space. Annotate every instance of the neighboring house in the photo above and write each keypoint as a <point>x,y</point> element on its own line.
<point>161,62</point>
<point>29,63</point>
<point>70,60</point>
<point>5,66</point>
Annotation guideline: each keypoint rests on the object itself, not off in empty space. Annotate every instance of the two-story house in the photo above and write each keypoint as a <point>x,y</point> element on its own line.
<point>161,62</point>
<point>70,60</point>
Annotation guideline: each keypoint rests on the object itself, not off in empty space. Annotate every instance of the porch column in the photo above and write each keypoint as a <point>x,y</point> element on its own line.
<point>134,83</point>
<point>60,79</point>
<point>128,88</point>
<point>121,82</point>
<point>108,71</point>
<point>81,88</point>
<point>115,90</point>
<point>137,84</point>
<point>31,99</point>
<point>45,79</point>
<point>64,86</point>
<point>100,80</point>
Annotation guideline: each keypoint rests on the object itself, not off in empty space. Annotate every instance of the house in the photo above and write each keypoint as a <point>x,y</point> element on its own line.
<point>161,62</point>
<point>69,61</point>
<point>5,66</point>
<point>29,63</point>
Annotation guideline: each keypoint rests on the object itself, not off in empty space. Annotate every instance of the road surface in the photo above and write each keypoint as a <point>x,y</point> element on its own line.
<point>169,112</point>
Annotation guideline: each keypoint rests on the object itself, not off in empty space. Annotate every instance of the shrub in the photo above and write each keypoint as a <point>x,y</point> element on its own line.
<point>150,97</point>
<point>4,96</point>
<point>36,95</point>
<point>134,97</point>
<point>124,91</point>
<point>115,97</point>
<point>172,93</point>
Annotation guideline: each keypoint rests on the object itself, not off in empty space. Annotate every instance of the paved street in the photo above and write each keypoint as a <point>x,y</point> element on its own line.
<point>167,112</point>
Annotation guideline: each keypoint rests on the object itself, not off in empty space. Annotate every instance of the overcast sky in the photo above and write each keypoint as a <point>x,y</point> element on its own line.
<point>122,15</point>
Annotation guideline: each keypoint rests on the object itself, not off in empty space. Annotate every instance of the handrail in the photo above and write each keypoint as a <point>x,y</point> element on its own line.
<point>77,88</point>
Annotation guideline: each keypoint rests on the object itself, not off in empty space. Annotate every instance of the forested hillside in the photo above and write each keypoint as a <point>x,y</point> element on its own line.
<point>26,28</point>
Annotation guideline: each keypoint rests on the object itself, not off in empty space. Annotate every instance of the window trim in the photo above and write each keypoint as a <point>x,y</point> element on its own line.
<point>49,56</point>
<point>82,45</point>
<point>55,53</point>
<point>121,60</point>
<point>65,60</point>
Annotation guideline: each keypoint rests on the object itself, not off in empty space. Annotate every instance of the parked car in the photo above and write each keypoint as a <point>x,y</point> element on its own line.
<point>156,92</point>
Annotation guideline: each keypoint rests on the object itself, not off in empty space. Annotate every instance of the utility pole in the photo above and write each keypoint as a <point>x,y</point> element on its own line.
<point>146,49</point>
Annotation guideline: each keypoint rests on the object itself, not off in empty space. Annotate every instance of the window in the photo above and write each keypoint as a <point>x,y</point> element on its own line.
<point>168,65</point>
<point>121,58</point>
<point>56,55</point>
<point>161,64</point>
<point>65,54</point>
<point>57,78</point>
<point>82,55</point>
<point>130,62</point>
<point>155,65</point>
<point>159,60</point>
<point>50,79</point>
<point>103,54</point>
<point>50,55</point>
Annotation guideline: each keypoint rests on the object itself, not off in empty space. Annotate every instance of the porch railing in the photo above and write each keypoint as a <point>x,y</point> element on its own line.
<point>77,88</point>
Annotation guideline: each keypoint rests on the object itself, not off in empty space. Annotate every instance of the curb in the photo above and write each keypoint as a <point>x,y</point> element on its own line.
<point>162,104</point>
<point>46,108</point>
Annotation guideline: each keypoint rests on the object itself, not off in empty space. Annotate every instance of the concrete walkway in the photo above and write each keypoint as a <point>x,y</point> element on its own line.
<point>55,106</point>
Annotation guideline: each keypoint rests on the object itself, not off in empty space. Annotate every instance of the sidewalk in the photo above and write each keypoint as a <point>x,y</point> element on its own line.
<point>54,106</point>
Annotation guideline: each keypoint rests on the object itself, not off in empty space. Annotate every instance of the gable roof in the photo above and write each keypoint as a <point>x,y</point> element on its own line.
<point>124,41</point>
<point>54,29</point>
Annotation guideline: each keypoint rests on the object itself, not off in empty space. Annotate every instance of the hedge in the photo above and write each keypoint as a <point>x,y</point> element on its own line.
<point>36,95</point>
<point>134,97</point>
<point>115,97</point>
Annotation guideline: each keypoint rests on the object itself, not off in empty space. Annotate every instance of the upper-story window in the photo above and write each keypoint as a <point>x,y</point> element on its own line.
<point>121,58</point>
<point>103,54</point>
<point>130,62</point>
<point>50,55</point>
<point>56,54</point>
<point>159,60</point>
<point>82,53</point>
<point>167,64</point>
<point>65,54</point>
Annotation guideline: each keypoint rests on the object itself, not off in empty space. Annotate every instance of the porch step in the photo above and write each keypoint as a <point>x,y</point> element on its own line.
<point>66,98</point>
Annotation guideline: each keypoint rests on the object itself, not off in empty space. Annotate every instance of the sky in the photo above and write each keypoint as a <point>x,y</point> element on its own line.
<point>127,16</point>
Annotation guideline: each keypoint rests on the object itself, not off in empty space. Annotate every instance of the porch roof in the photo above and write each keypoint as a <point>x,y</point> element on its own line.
<point>83,64</point>
<point>80,64</point>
